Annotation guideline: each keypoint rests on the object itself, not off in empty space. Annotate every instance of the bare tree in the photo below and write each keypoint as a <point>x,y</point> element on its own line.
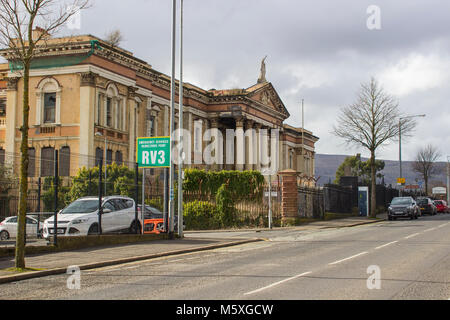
<point>114,38</point>
<point>23,40</point>
<point>425,163</point>
<point>371,122</point>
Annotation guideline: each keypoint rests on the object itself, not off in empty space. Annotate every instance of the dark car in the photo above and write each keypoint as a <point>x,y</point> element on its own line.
<point>441,206</point>
<point>403,207</point>
<point>426,206</point>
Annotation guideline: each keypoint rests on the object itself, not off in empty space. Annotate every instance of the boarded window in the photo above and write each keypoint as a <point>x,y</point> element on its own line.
<point>64,162</point>
<point>109,155</point>
<point>47,162</point>
<point>98,156</point>
<point>2,107</point>
<point>31,162</point>
<point>2,157</point>
<point>119,158</point>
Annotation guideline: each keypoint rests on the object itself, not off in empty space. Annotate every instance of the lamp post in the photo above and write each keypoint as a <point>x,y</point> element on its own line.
<point>99,134</point>
<point>448,180</point>
<point>400,142</point>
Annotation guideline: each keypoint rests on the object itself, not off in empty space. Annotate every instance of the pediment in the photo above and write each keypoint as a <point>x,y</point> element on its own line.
<point>268,96</point>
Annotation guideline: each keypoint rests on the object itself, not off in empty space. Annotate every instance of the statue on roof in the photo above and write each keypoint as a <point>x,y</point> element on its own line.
<point>262,76</point>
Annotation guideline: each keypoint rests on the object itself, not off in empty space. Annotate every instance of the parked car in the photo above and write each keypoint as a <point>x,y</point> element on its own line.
<point>441,206</point>
<point>81,217</point>
<point>426,206</point>
<point>154,220</point>
<point>403,207</point>
<point>8,228</point>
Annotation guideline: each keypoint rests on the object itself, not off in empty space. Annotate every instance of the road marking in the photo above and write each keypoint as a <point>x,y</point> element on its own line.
<point>385,245</point>
<point>411,236</point>
<point>278,283</point>
<point>356,255</point>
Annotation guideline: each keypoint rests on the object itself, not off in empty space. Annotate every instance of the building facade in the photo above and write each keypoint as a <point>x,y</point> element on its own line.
<point>87,96</point>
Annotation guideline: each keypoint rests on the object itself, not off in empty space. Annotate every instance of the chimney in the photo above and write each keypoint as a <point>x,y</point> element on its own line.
<point>38,32</point>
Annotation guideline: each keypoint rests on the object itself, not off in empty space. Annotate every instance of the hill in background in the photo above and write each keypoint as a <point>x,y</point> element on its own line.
<point>327,164</point>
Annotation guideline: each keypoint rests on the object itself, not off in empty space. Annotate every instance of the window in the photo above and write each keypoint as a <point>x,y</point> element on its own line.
<point>109,155</point>
<point>108,112</point>
<point>64,162</point>
<point>2,157</point>
<point>32,162</point>
<point>98,156</point>
<point>119,122</point>
<point>109,205</point>
<point>49,107</point>
<point>12,220</point>
<point>2,107</point>
<point>119,158</point>
<point>47,162</point>
<point>150,124</point>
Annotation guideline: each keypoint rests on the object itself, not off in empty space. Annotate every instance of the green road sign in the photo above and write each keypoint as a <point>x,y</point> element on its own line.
<point>153,152</point>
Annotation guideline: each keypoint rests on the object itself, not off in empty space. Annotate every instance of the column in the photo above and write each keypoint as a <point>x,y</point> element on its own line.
<point>289,196</point>
<point>87,116</point>
<point>249,146</point>
<point>240,145</point>
<point>11,111</point>
<point>257,149</point>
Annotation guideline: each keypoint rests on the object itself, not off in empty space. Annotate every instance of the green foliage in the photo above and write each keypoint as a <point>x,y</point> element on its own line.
<point>242,184</point>
<point>359,168</point>
<point>156,203</point>
<point>120,181</point>
<point>201,215</point>
<point>6,180</point>
<point>48,196</point>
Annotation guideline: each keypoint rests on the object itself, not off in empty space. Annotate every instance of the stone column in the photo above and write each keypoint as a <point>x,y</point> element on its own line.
<point>215,134</point>
<point>257,149</point>
<point>240,145</point>
<point>249,146</point>
<point>87,117</point>
<point>289,197</point>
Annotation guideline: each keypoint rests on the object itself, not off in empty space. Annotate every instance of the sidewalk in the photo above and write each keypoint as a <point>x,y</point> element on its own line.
<point>57,262</point>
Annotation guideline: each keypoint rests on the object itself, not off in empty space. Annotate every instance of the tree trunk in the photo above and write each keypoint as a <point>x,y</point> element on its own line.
<point>23,189</point>
<point>373,193</point>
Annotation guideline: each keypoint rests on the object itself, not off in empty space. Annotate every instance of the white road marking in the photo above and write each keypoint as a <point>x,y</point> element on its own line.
<point>278,283</point>
<point>385,245</point>
<point>432,229</point>
<point>411,236</point>
<point>356,255</point>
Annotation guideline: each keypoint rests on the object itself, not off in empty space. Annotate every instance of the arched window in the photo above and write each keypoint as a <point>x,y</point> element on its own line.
<point>64,162</point>
<point>48,104</point>
<point>112,107</point>
<point>47,162</point>
<point>109,155</point>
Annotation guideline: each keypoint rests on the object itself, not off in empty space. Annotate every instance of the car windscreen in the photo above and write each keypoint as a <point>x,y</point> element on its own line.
<point>422,201</point>
<point>81,206</point>
<point>400,201</point>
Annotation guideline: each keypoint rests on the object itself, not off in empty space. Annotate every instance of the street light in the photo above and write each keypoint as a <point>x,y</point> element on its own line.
<point>400,141</point>
<point>448,180</point>
<point>99,134</point>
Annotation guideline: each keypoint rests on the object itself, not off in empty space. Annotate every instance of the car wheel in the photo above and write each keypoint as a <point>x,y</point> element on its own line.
<point>133,227</point>
<point>4,235</point>
<point>93,230</point>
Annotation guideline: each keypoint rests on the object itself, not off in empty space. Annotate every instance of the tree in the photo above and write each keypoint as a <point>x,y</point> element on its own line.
<point>114,38</point>
<point>424,163</point>
<point>371,122</point>
<point>359,168</point>
<point>18,19</point>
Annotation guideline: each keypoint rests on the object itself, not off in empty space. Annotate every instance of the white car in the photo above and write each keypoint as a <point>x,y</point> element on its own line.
<point>8,228</point>
<point>80,218</point>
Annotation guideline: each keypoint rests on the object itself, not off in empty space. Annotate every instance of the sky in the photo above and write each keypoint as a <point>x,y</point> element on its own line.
<point>320,51</point>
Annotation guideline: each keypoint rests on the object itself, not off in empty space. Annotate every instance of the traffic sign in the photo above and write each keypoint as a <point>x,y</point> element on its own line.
<point>401,181</point>
<point>153,152</point>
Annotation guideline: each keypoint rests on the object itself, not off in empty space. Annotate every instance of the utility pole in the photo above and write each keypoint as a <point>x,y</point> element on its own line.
<point>172,122</point>
<point>180,126</point>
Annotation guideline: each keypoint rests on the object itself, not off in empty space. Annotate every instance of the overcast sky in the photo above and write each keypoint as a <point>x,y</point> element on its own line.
<point>320,51</point>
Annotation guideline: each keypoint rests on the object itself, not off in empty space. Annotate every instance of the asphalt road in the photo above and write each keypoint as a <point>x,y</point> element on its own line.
<point>411,258</point>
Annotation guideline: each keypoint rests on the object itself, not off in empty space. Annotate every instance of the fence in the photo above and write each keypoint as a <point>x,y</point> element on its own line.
<point>338,199</point>
<point>311,203</point>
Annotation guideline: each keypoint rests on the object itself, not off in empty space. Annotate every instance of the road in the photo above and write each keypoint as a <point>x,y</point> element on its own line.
<point>412,259</point>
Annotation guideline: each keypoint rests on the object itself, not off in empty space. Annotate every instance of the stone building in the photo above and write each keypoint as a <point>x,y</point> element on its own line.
<point>85,94</point>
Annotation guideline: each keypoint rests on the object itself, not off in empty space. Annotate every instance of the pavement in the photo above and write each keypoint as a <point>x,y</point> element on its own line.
<point>90,258</point>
